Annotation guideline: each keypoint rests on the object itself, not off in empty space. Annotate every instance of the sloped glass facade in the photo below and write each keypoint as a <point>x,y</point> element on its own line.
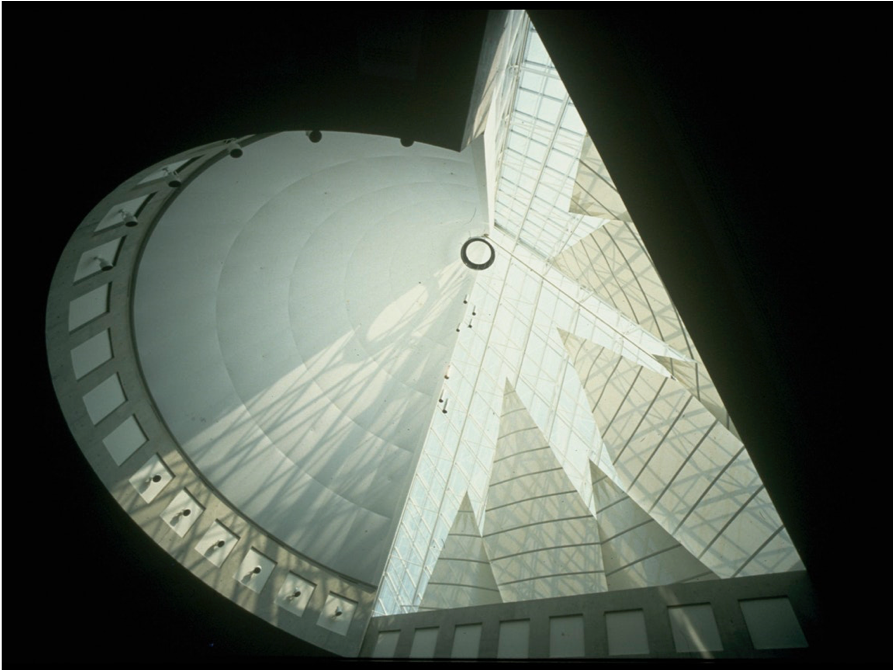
<point>574,318</point>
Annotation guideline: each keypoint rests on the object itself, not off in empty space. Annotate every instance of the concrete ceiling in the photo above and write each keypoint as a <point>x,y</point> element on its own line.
<point>294,313</point>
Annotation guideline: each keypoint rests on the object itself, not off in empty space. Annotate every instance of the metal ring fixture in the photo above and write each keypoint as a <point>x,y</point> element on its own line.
<point>478,266</point>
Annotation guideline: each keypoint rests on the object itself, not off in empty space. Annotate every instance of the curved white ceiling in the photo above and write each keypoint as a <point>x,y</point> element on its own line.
<point>294,312</point>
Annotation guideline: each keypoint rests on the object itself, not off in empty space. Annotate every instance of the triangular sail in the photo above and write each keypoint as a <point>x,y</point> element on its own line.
<point>541,537</point>
<point>462,576</point>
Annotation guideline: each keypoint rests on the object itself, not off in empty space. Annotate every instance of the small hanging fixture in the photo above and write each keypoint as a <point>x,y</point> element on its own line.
<point>129,219</point>
<point>235,149</point>
<point>173,178</point>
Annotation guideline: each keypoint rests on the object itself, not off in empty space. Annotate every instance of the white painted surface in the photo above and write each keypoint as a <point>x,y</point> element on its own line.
<point>248,574</point>
<point>143,482</point>
<point>294,311</point>
<point>295,594</point>
<point>209,546</point>
<point>337,613</point>
<point>182,513</point>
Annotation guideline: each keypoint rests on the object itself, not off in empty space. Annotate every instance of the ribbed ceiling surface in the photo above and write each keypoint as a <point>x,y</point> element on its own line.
<point>294,312</point>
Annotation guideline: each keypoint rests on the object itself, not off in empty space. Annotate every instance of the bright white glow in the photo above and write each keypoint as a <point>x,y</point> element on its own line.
<point>573,315</point>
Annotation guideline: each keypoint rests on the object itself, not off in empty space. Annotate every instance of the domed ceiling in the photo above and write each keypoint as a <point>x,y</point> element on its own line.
<point>294,314</point>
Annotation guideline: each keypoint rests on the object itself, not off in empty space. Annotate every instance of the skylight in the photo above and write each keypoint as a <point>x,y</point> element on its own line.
<point>570,335</point>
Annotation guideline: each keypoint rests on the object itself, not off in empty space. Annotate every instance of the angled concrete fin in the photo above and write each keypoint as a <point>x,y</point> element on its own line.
<point>679,463</point>
<point>694,377</point>
<point>637,551</point>
<point>462,576</point>
<point>594,192</point>
<point>541,537</point>
<point>613,263</point>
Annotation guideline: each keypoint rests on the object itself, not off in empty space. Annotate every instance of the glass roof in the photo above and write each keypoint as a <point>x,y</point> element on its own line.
<point>633,474</point>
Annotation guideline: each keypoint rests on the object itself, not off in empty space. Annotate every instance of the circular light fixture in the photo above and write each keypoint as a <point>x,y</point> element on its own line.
<point>477,253</point>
